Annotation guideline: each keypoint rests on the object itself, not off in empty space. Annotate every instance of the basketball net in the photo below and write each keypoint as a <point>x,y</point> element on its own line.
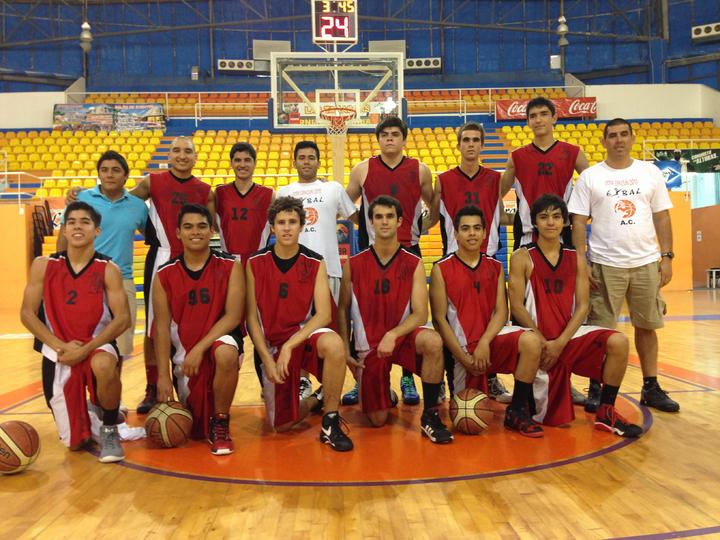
<point>336,121</point>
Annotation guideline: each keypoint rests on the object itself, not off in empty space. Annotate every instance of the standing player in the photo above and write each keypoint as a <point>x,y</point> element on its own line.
<point>242,206</point>
<point>289,308</point>
<point>383,291</point>
<point>545,165</point>
<point>629,204</point>
<point>122,214</point>
<point>410,182</point>
<point>469,184</point>
<point>84,308</point>
<point>549,293</point>
<point>198,300</point>
<point>471,314</point>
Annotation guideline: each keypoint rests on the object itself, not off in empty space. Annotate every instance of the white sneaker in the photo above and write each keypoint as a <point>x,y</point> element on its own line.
<point>305,388</point>
<point>497,391</point>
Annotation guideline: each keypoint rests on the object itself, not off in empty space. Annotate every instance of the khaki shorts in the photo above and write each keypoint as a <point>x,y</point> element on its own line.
<point>125,340</point>
<point>640,286</point>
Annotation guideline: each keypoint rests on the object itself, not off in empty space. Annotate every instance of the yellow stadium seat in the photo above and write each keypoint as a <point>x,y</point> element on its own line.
<point>42,192</point>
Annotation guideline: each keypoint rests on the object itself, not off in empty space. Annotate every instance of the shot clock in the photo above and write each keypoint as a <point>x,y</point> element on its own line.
<point>334,21</point>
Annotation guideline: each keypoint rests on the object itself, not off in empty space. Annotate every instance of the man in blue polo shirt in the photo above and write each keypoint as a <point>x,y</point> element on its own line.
<point>122,215</point>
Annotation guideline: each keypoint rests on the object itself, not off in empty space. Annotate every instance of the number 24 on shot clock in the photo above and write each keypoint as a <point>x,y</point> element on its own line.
<point>334,21</point>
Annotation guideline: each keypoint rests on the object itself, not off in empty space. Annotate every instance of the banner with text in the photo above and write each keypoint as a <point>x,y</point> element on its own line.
<point>514,109</point>
<point>106,116</point>
<point>699,160</point>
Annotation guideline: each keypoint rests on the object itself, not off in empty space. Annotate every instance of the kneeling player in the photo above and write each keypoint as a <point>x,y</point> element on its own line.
<point>289,308</point>
<point>549,293</point>
<point>198,300</point>
<point>84,308</point>
<point>383,288</point>
<point>469,307</point>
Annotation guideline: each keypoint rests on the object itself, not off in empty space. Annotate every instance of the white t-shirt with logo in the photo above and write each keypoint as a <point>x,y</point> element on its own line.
<point>323,202</point>
<point>621,203</point>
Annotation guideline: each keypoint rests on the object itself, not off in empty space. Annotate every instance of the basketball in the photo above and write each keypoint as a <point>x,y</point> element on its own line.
<point>19,446</point>
<point>470,411</point>
<point>168,425</point>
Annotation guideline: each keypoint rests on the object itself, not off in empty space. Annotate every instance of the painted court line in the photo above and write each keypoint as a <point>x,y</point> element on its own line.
<point>675,534</point>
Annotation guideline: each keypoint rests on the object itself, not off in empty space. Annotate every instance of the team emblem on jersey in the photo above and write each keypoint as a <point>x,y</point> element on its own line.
<point>304,270</point>
<point>625,208</point>
<point>311,216</point>
<point>96,283</point>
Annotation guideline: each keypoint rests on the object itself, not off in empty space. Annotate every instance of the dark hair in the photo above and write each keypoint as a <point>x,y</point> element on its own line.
<point>385,200</point>
<point>616,122</point>
<point>243,147</point>
<point>539,102</point>
<point>471,126</point>
<point>112,154</point>
<point>79,205</point>
<point>468,210</point>
<point>286,204</point>
<point>389,122</point>
<point>306,144</point>
<point>548,201</point>
<point>192,208</point>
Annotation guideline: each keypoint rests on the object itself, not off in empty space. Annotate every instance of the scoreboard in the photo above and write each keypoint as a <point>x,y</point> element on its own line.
<point>334,21</point>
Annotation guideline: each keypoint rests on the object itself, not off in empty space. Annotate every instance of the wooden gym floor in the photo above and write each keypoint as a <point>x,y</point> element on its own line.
<point>574,483</point>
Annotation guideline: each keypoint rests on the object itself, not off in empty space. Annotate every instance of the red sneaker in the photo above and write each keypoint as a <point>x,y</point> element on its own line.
<point>522,422</point>
<point>220,442</point>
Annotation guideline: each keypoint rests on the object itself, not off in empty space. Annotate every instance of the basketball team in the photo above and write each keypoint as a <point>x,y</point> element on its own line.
<point>306,314</point>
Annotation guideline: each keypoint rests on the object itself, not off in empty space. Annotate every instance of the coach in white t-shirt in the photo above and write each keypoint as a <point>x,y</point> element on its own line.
<point>323,202</point>
<point>629,205</point>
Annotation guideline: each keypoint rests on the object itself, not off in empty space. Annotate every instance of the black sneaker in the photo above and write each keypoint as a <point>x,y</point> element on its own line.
<point>519,420</point>
<point>433,428</point>
<point>332,433</point>
<point>658,398</point>
<point>608,419</point>
<point>593,397</point>
<point>318,407</point>
<point>149,400</point>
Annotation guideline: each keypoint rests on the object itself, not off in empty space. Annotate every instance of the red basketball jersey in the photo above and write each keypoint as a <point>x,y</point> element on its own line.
<point>550,292</point>
<point>472,293</point>
<point>74,304</point>
<point>243,219</point>
<point>197,298</point>
<point>542,171</point>
<point>284,291</point>
<point>459,190</point>
<point>167,195</point>
<point>401,182</point>
<point>380,294</point>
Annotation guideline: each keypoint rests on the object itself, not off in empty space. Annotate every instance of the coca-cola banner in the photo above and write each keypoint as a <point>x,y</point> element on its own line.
<point>514,109</point>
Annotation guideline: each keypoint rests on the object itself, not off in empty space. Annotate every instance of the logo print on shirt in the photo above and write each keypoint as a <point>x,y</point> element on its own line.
<point>311,216</point>
<point>625,208</point>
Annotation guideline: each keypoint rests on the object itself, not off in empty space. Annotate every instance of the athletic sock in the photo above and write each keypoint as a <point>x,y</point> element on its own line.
<point>151,373</point>
<point>608,394</point>
<point>521,395</point>
<point>649,382</point>
<point>407,373</point>
<point>110,416</point>
<point>431,391</point>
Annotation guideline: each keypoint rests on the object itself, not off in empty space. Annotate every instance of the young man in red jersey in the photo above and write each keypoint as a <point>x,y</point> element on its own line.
<point>198,300</point>
<point>469,307</point>
<point>289,311</point>
<point>383,291</point>
<point>549,293</point>
<point>75,304</point>
<point>410,182</point>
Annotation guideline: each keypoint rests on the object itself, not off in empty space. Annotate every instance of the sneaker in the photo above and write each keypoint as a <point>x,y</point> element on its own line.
<point>433,428</point>
<point>219,436</point>
<point>305,388</point>
<point>110,448</point>
<point>393,398</point>
<point>351,397</point>
<point>592,402</point>
<point>332,433</point>
<point>608,419</point>
<point>658,398</point>
<point>578,398</point>
<point>317,394</point>
<point>497,390</point>
<point>409,393</point>
<point>149,400</point>
<point>522,422</point>
<point>442,394</point>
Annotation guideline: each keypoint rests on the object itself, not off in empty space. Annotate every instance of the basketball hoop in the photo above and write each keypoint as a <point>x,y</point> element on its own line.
<point>337,119</point>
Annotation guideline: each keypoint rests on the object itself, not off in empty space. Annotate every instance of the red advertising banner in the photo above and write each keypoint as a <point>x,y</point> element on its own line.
<point>514,109</point>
